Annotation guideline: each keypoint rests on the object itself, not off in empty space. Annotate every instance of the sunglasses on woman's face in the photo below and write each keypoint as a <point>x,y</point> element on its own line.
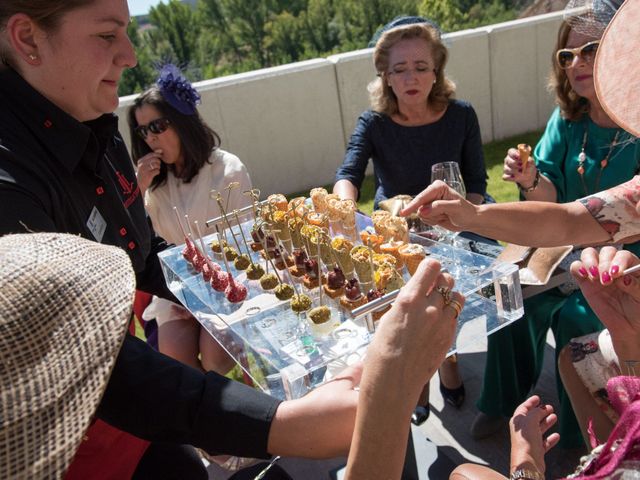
<point>157,126</point>
<point>566,56</point>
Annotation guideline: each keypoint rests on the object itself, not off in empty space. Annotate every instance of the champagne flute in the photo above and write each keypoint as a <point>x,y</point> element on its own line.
<point>449,173</point>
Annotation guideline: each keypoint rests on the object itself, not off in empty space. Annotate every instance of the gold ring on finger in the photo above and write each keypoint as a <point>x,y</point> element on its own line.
<point>446,294</point>
<point>456,306</point>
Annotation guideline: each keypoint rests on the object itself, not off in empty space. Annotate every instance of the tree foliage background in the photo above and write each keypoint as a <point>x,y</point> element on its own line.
<point>221,37</point>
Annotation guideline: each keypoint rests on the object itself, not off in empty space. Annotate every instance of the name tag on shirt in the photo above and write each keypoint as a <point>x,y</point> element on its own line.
<point>96,224</point>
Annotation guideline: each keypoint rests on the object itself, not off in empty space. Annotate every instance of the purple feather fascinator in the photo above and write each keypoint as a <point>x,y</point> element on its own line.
<point>177,90</point>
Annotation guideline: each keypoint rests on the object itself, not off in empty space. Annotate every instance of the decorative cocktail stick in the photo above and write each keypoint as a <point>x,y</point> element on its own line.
<point>224,257</point>
<point>269,260</point>
<point>229,187</point>
<point>254,193</point>
<point>266,281</point>
<point>226,220</point>
<point>244,239</point>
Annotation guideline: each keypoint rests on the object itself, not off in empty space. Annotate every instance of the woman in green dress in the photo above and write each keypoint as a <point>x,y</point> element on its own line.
<point>581,152</point>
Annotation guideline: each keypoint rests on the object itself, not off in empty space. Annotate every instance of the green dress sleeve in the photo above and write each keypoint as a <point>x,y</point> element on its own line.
<point>551,151</point>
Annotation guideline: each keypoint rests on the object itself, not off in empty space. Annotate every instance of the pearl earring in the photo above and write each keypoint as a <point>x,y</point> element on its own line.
<point>32,57</point>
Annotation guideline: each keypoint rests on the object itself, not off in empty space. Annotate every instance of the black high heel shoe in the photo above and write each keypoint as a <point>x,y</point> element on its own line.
<point>420,414</point>
<point>453,396</point>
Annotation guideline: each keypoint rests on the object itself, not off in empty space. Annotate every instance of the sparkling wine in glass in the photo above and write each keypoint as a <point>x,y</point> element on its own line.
<point>449,173</point>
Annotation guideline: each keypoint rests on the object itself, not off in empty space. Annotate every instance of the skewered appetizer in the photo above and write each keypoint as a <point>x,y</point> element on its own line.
<point>353,297</point>
<point>299,257</point>
<point>372,295</point>
<point>217,246</point>
<point>311,278</point>
<point>300,303</point>
<point>283,291</point>
<point>219,280</point>
<point>268,281</point>
<point>335,283</point>
<point>320,317</point>
<point>242,262</point>
<point>255,271</point>
<point>235,292</point>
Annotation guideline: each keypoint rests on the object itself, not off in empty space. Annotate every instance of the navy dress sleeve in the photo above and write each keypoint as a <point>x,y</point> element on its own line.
<point>359,150</point>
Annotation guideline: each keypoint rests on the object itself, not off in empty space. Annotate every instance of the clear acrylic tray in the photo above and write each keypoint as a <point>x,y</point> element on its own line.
<point>285,355</point>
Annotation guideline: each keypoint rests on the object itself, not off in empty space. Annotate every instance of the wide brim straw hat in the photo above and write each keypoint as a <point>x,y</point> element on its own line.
<point>617,69</point>
<point>65,303</point>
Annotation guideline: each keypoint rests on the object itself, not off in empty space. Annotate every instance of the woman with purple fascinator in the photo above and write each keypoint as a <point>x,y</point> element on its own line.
<point>178,156</point>
<point>179,162</point>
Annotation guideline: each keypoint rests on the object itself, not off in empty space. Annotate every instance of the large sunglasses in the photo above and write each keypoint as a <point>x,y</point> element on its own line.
<point>566,56</point>
<point>157,126</point>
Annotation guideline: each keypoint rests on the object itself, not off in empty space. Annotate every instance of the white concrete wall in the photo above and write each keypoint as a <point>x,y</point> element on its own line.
<point>290,124</point>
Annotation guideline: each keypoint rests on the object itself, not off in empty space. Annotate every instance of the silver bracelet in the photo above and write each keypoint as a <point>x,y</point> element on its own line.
<point>526,474</point>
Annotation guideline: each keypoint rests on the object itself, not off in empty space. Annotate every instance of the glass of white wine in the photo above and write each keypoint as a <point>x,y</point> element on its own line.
<point>449,173</point>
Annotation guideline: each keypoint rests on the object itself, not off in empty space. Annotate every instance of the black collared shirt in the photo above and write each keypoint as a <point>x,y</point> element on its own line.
<point>60,175</point>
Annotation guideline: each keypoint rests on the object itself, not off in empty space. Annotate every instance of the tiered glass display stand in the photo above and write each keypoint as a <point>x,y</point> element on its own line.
<point>283,354</point>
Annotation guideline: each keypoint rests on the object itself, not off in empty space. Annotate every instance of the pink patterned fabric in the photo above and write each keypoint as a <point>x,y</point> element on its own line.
<point>623,445</point>
<point>615,209</point>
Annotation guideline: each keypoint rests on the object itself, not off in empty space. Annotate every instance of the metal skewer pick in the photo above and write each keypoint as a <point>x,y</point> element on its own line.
<point>244,239</point>
<point>226,220</point>
<point>319,270</point>
<point>224,256</point>
<point>263,241</point>
<point>229,187</point>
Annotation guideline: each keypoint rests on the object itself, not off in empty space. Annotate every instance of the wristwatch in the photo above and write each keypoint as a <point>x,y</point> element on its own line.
<point>526,474</point>
<point>536,180</point>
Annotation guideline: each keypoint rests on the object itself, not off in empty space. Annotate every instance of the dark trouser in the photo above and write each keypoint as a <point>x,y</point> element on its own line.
<point>166,461</point>
<point>515,356</point>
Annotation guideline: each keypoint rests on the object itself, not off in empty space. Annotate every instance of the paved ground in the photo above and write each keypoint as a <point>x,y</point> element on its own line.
<point>448,428</point>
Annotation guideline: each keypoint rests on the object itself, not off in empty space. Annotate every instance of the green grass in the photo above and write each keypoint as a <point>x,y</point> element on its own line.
<point>494,153</point>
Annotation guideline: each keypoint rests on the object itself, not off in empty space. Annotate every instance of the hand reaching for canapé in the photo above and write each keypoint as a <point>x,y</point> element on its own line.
<point>440,205</point>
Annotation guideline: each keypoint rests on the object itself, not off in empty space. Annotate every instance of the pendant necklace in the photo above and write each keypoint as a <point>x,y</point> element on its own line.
<point>582,157</point>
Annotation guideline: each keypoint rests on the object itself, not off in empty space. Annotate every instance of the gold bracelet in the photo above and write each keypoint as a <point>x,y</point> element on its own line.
<point>536,181</point>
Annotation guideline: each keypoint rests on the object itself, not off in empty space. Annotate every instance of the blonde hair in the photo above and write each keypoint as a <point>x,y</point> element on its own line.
<point>381,96</point>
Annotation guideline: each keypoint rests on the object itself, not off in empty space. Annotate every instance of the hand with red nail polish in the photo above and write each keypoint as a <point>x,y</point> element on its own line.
<point>513,171</point>
<point>615,299</point>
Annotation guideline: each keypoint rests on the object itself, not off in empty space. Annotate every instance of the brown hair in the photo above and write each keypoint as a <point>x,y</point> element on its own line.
<point>47,14</point>
<point>572,106</point>
<point>381,95</point>
<point>197,139</point>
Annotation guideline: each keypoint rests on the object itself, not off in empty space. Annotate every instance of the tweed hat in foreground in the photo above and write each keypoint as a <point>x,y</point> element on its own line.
<point>617,70</point>
<point>64,307</point>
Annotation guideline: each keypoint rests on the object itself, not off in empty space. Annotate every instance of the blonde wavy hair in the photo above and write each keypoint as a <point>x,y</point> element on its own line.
<point>572,106</point>
<point>381,96</point>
